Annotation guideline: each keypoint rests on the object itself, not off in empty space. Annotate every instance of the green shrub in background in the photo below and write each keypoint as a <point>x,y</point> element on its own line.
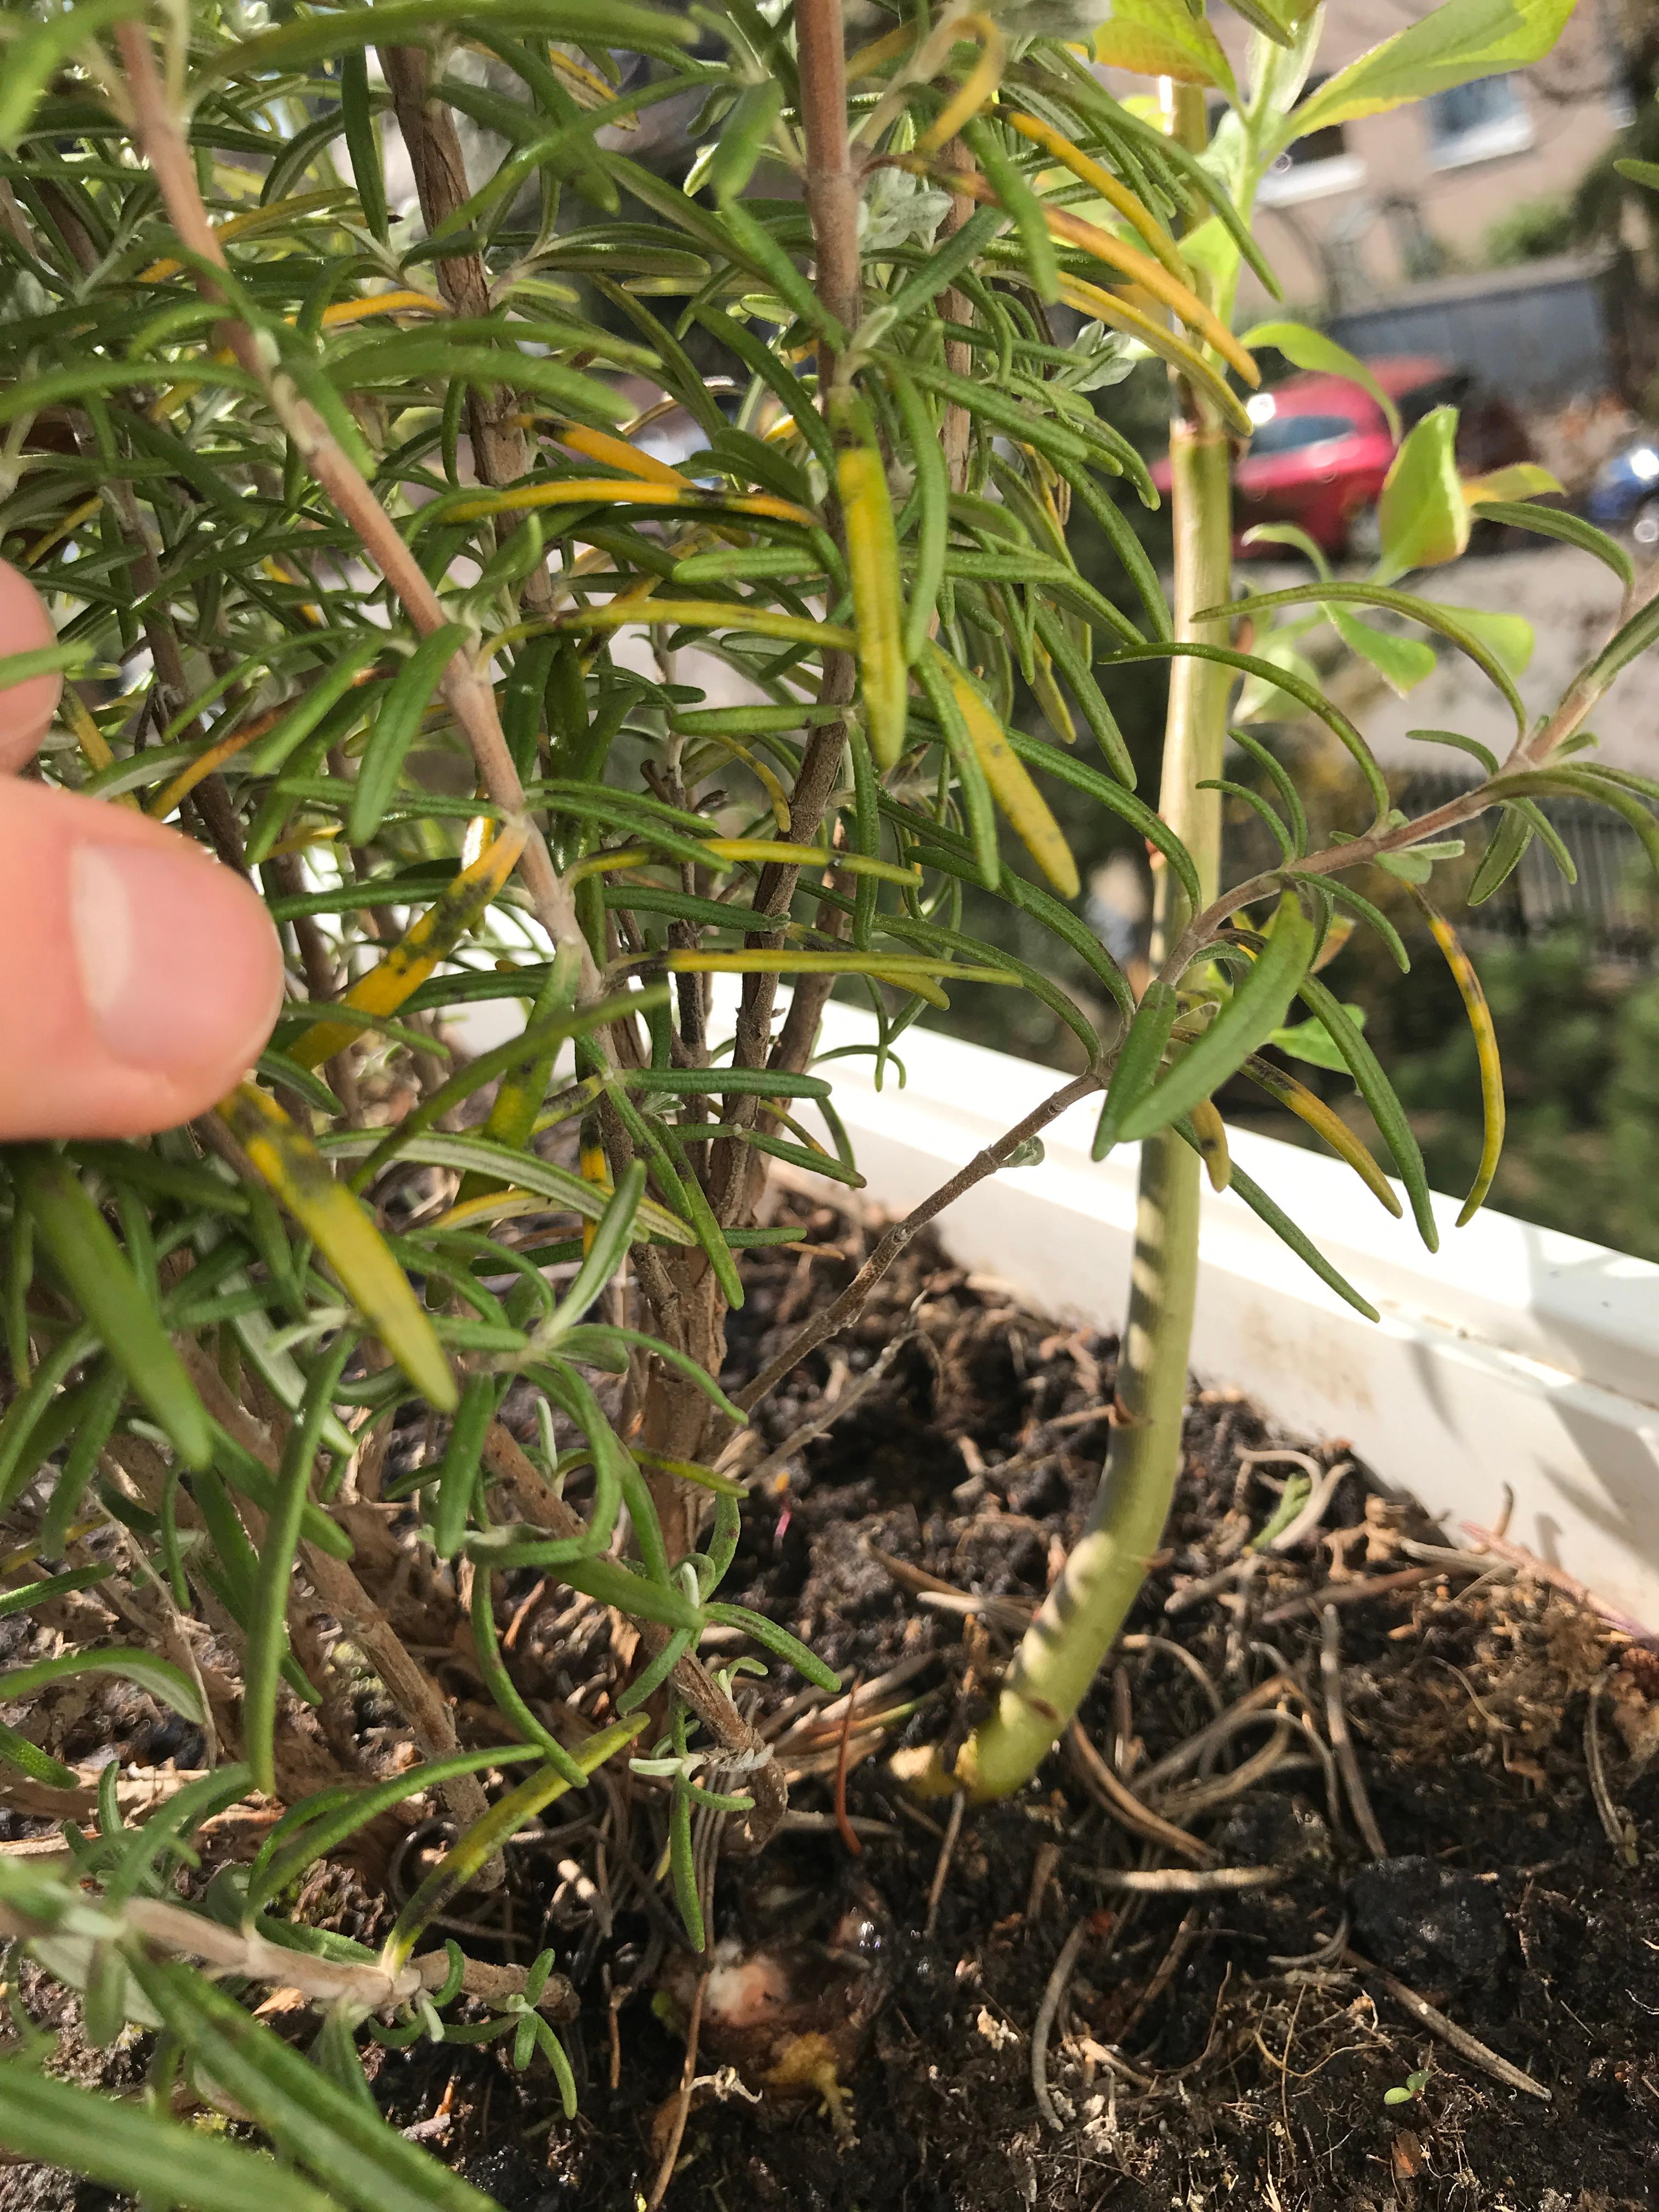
<point>336,469</point>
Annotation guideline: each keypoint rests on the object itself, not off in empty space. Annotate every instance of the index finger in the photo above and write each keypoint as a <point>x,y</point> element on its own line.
<point>26,708</point>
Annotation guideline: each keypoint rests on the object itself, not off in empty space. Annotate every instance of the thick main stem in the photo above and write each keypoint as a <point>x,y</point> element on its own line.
<point>1080,1619</point>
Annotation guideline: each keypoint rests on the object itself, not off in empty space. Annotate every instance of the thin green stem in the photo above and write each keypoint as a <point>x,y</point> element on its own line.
<point>1083,1614</point>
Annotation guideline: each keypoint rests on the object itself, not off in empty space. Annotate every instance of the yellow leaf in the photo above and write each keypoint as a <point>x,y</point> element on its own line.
<point>343,1231</point>
<point>411,960</point>
<point>589,491</point>
<point>1027,810</point>
<point>619,453</point>
<point>878,597</point>
<point>381,303</point>
<point>1116,195</point>
<point>1526,480</point>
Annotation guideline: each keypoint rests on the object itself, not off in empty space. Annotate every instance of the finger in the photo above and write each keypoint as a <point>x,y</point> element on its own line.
<point>140,979</point>
<point>26,709</point>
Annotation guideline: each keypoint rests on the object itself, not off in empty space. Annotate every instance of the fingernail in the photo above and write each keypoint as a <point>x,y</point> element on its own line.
<point>178,961</point>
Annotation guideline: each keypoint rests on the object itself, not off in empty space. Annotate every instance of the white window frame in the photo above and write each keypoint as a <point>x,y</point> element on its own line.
<point>1484,142</point>
<point>1311,180</point>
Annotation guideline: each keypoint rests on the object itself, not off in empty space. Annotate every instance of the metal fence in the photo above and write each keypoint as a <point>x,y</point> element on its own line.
<point>1612,905</point>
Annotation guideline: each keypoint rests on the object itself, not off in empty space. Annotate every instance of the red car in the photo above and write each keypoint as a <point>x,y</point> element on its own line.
<point>1322,447</point>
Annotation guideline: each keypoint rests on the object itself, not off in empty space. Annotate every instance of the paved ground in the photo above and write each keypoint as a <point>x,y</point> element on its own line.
<point>1573,602</point>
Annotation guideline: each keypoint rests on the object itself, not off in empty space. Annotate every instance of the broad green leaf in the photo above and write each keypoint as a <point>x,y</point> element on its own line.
<point>1525,480</point>
<point>1311,1041</point>
<point>1508,638</point>
<point>1423,516</point>
<point>1311,349</point>
<point>1456,623</point>
<point>1402,662</point>
<point>1456,43</point>
<point>1154,39</point>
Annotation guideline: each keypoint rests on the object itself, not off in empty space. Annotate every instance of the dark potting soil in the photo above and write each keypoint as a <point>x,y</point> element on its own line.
<point>1262,2046</point>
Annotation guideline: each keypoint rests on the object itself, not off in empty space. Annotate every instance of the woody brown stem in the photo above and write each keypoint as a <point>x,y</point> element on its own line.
<point>499,451</point>
<point>470,698</point>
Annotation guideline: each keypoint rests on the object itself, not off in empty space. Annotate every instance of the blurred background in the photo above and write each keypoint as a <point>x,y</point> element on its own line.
<point>1483,250</point>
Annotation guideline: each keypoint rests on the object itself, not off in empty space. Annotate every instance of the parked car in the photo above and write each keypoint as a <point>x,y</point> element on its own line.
<point>1625,493</point>
<point>1323,446</point>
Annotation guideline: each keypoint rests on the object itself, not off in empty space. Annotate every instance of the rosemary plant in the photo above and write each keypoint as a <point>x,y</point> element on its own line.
<point>347,345</point>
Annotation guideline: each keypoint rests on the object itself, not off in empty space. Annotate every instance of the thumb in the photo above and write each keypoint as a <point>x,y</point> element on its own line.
<point>139,979</point>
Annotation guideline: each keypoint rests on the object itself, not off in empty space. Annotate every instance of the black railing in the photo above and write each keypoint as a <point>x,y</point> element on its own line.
<point>1612,905</point>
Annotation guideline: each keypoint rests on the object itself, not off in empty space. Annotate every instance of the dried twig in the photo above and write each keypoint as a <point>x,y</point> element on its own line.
<point>1461,2040</point>
<point>1053,1991</point>
<point>847,1834</point>
<point>1184,1882</point>
<point>822,1422</point>
<point>682,2104</point>
<point>1336,1722</point>
<point>846,1308</point>
<point>1614,1827</point>
<point>942,1866</point>
<point>1122,1803</point>
<point>1360,1591</point>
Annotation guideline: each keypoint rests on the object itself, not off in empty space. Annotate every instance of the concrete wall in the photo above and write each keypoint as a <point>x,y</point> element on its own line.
<point>1544,322</point>
<point>1355,225</point>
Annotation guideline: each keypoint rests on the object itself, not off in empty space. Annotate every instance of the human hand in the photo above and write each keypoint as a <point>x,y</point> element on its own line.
<point>139,979</point>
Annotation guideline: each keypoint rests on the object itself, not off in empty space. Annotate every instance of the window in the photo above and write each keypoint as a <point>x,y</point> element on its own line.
<point>1313,166</point>
<point>1477,122</point>
<point>1288,434</point>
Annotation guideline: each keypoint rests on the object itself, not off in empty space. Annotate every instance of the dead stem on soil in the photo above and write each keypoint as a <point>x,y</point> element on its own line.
<point>845,1310</point>
<point>1614,1826</point>
<point>942,1868</point>
<point>1054,1992</point>
<point>1469,2046</point>
<point>1184,1882</point>
<point>1336,1724</point>
<point>683,2099</point>
<point>1126,1807</point>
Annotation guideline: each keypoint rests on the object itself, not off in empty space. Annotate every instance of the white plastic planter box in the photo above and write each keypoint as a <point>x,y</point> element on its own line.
<point>1515,1356</point>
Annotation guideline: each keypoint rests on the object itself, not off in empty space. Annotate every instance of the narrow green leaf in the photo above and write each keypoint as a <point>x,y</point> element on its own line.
<point>1139,1058</point>
<point>397,726</point>
<point>1245,1023</point>
<point>267,1634</point>
<point>1269,1210</point>
<point>132,2149</point>
<point>1379,1095</point>
<point>779,1640</point>
<point>103,1286</point>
